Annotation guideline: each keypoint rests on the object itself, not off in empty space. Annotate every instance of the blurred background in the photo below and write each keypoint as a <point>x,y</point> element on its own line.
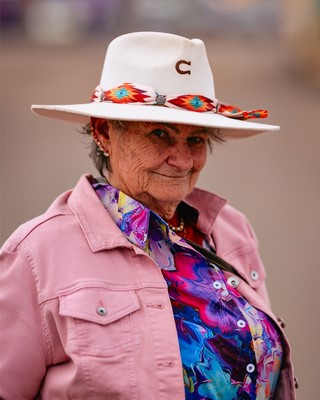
<point>264,54</point>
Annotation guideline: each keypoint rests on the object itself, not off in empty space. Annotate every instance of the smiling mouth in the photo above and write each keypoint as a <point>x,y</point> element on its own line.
<point>172,176</point>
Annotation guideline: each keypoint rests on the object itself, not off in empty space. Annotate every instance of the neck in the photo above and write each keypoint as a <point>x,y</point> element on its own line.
<point>166,211</point>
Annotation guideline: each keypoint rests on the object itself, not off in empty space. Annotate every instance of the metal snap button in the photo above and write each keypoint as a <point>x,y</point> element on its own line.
<point>101,311</point>
<point>217,285</point>
<point>254,275</point>
<point>233,281</point>
<point>224,294</point>
<point>241,323</point>
<point>250,368</point>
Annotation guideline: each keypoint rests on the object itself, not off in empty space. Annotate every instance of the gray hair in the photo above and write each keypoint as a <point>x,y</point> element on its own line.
<point>100,161</point>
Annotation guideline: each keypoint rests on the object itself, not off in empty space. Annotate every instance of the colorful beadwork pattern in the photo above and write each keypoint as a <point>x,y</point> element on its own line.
<point>128,93</point>
<point>125,93</point>
<point>193,103</point>
<point>234,112</point>
<point>229,349</point>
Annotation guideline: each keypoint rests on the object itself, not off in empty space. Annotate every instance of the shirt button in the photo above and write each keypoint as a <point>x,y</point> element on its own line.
<point>101,311</point>
<point>224,294</point>
<point>217,285</point>
<point>233,281</point>
<point>250,368</point>
<point>296,383</point>
<point>254,275</point>
<point>241,323</point>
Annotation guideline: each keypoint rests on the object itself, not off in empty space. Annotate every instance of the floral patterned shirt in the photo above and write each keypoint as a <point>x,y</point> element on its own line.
<point>229,349</point>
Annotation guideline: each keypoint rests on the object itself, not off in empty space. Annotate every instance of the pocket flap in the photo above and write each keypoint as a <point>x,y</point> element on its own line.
<point>98,305</point>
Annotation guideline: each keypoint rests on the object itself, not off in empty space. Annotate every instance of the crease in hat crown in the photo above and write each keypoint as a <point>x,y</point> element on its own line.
<point>172,65</point>
<point>150,59</point>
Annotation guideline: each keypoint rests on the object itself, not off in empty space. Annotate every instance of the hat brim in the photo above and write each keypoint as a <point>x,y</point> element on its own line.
<point>80,113</point>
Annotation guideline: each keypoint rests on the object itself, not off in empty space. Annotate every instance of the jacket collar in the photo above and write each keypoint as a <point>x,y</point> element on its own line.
<point>100,230</point>
<point>208,205</point>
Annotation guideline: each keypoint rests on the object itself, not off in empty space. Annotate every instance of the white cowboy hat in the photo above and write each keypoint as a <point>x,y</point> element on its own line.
<point>153,76</point>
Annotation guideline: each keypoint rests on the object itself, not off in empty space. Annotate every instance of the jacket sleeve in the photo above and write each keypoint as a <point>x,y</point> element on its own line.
<point>22,361</point>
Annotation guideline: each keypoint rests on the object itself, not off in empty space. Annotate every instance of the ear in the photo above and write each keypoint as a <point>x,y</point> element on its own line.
<point>100,132</point>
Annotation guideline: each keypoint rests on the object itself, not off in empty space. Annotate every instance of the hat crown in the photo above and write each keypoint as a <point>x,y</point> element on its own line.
<point>169,63</point>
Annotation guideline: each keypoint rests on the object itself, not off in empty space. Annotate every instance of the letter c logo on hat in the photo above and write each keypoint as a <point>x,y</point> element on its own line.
<point>180,71</point>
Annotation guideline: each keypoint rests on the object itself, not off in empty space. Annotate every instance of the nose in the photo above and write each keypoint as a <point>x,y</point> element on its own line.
<point>180,156</point>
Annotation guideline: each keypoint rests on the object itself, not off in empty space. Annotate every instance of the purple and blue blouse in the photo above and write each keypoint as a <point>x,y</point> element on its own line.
<point>229,349</point>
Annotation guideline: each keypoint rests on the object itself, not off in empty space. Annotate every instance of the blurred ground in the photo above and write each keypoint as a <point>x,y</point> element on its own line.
<point>273,178</point>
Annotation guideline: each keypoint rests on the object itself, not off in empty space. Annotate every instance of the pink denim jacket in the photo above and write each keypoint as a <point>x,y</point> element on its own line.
<point>86,315</point>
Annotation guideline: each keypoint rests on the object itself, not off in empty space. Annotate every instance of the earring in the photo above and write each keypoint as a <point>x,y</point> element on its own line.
<point>95,137</point>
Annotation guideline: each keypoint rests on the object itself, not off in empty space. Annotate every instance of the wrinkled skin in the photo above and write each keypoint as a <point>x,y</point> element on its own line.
<point>157,164</point>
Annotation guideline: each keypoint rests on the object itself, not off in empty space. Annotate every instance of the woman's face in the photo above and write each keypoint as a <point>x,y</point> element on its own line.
<point>157,164</point>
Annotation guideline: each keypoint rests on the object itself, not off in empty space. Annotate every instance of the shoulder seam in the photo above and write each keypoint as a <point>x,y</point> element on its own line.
<point>15,240</point>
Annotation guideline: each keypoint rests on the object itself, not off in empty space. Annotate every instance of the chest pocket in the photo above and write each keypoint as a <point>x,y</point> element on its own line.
<point>100,322</point>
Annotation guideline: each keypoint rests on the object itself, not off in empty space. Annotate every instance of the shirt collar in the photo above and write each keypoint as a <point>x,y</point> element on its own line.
<point>140,225</point>
<point>130,216</point>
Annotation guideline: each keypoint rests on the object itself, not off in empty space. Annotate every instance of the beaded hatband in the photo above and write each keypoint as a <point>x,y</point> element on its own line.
<point>128,93</point>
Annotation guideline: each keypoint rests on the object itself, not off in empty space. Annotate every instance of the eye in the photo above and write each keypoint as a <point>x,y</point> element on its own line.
<point>197,140</point>
<point>160,133</point>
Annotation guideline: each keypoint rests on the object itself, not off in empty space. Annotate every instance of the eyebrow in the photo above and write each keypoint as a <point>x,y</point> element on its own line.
<point>170,126</point>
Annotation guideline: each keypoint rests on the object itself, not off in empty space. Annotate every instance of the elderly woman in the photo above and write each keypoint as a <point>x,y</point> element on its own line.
<point>137,285</point>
